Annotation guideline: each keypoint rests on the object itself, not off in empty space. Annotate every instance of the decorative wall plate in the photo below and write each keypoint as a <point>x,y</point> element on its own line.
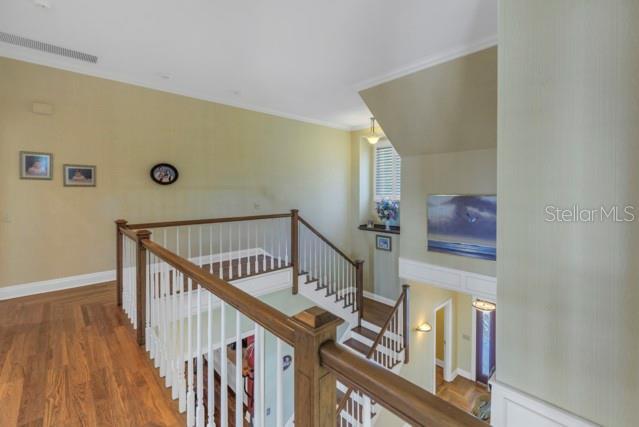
<point>164,173</point>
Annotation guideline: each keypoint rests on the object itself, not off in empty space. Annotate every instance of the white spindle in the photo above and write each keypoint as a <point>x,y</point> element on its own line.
<point>257,244</point>
<point>210,256</point>
<point>200,363</point>
<point>248,248</point>
<point>258,383</point>
<point>367,412</point>
<point>239,383</point>
<point>219,254</point>
<point>224,406</point>
<point>190,394</point>
<point>279,415</point>
<point>240,254</point>
<point>211,365</point>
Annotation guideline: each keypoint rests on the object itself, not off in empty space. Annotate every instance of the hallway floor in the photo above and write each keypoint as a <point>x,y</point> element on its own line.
<point>461,392</point>
<point>70,358</point>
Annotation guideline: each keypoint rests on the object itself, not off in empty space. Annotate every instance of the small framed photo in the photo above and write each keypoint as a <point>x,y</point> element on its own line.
<point>79,176</point>
<point>36,165</point>
<point>383,243</point>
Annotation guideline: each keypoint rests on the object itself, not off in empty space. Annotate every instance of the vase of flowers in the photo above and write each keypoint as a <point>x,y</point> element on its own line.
<point>387,211</point>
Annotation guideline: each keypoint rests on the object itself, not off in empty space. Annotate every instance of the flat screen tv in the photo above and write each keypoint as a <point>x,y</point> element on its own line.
<point>463,225</point>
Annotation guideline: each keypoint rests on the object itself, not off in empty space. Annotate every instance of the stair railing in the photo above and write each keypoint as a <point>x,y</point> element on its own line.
<point>186,316</point>
<point>331,269</point>
<point>386,351</point>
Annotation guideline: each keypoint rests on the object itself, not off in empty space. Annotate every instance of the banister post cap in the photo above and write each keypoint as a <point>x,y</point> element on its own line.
<point>143,234</point>
<point>405,286</point>
<point>317,319</point>
<point>121,221</point>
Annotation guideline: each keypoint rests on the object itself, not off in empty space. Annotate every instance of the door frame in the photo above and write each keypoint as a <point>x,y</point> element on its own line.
<point>473,338</point>
<point>447,306</point>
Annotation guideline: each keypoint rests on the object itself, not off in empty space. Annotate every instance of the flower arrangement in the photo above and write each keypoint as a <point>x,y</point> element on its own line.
<point>387,210</point>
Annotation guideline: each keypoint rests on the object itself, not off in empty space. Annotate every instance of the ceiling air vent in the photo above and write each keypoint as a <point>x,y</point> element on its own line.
<point>46,47</point>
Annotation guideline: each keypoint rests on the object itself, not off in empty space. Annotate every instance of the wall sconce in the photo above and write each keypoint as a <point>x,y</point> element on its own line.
<point>485,306</point>
<point>424,327</point>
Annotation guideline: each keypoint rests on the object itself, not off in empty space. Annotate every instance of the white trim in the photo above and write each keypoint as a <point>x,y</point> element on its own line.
<point>513,408</point>
<point>448,307</point>
<point>473,343</point>
<point>463,373</point>
<point>34,57</point>
<point>449,278</point>
<point>34,288</point>
<point>428,62</point>
<point>379,298</point>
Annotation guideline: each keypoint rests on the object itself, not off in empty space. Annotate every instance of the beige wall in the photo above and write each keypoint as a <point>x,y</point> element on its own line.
<point>448,107</point>
<point>423,300</point>
<point>229,160</point>
<point>468,172</point>
<point>568,293</point>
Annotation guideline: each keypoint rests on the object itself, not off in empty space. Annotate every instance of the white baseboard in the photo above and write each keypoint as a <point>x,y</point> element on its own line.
<point>449,278</point>
<point>464,374</point>
<point>379,298</point>
<point>513,408</point>
<point>59,284</point>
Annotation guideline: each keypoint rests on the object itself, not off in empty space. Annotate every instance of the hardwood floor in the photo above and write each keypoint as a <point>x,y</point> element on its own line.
<point>70,358</point>
<point>461,392</point>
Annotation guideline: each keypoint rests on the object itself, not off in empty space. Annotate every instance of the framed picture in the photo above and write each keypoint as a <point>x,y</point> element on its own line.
<point>164,174</point>
<point>36,165</point>
<point>383,243</point>
<point>463,225</point>
<point>79,176</point>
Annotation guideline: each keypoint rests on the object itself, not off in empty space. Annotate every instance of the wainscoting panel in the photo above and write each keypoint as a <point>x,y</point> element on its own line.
<point>449,278</point>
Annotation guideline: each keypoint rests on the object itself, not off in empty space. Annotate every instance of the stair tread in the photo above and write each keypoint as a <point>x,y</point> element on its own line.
<point>376,312</point>
<point>358,346</point>
<point>365,332</point>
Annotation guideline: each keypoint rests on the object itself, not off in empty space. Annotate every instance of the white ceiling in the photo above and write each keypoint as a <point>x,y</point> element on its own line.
<point>305,59</point>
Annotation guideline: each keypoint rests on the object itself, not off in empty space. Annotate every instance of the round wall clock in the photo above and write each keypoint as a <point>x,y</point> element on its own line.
<point>164,173</point>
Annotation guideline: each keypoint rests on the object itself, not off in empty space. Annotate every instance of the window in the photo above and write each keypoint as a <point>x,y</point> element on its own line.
<point>387,171</point>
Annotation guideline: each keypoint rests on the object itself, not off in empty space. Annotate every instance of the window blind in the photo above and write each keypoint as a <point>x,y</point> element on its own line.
<point>387,172</point>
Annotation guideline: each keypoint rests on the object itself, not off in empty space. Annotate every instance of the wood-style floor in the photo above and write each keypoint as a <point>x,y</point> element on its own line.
<point>70,358</point>
<point>461,392</point>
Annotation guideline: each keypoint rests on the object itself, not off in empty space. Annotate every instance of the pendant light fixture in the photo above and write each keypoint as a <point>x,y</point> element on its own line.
<point>485,306</point>
<point>373,138</point>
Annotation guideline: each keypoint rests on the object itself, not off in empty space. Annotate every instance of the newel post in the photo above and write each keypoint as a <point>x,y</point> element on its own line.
<point>140,283</point>
<point>406,321</point>
<point>118,259</point>
<point>359,288</point>
<point>295,218</point>
<point>315,386</point>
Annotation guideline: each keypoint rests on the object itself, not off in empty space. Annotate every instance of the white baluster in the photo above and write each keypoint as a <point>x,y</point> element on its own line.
<point>200,363</point>
<point>240,254</point>
<point>264,247</point>
<point>367,411</point>
<point>219,254</point>
<point>224,406</point>
<point>199,255</point>
<point>230,250</point>
<point>190,394</point>
<point>182,336</point>
<point>272,247</point>
<point>162,331</point>
<point>258,384</point>
<point>177,240</point>
<point>175,354</point>
<point>210,257</point>
<point>257,244</point>
<point>210,365</point>
<point>279,415</point>
<point>287,233</point>
<point>239,383</point>
<point>248,248</point>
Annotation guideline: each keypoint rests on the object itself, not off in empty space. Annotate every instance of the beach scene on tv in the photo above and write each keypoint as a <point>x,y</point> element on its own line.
<point>463,225</point>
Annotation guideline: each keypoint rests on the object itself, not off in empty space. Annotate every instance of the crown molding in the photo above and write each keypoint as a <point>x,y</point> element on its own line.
<point>427,62</point>
<point>25,55</point>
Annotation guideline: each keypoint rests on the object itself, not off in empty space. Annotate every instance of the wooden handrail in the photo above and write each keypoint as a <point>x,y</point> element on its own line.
<point>408,401</point>
<point>207,221</point>
<point>130,233</point>
<point>376,344</point>
<point>270,318</point>
<point>318,234</point>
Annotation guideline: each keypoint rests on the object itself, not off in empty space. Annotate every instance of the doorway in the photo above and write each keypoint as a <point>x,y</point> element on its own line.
<point>443,357</point>
<point>485,327</point>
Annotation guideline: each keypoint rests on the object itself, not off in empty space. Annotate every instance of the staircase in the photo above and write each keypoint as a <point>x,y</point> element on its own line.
<point>335,282</point>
